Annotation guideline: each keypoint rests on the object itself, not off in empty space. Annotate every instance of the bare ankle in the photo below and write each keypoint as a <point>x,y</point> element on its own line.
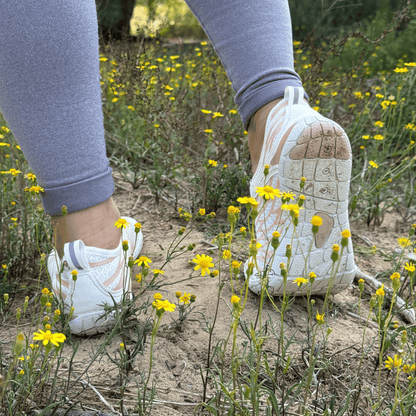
<point>256,130</point>
<point>94,226</point>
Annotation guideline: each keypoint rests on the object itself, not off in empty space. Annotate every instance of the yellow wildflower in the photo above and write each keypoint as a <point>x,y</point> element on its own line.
<point>346,233</point>
<point>316,220</point>
<point>30,176</point>
<point>300,281</point>
<point>185,298</point>
<point>143,260</point>
<point>393,363</point>
<point>233,210</point>
<point>121,223</point>
<point>380,291</point>
<point>226,254</point>
<point>404,242</point>
<point>235,299</point>
<point>47,337</point>
<point>203,262</point>
<point>320,318</point>
<point>268,192</point>
<point>164,304</point>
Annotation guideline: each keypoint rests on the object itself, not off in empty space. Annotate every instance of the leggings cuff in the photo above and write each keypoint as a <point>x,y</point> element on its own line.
<point>80,195</point>
<point>263,95</point>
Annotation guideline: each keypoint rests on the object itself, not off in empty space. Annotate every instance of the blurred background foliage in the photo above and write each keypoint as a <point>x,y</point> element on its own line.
<point>312,21</point>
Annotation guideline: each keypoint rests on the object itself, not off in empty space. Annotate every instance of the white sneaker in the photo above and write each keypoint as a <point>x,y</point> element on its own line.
<point>319,150</point>
<point>101,273</point>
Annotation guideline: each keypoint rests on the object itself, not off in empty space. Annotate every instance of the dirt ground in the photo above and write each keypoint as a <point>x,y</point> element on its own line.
<point>180,354</point>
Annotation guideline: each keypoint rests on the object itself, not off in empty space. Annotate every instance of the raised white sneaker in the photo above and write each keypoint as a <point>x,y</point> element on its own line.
<point>100,273</point>
<point>318,149</point>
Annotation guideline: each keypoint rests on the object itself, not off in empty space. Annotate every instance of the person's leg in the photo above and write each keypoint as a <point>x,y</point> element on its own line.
<point>253,39</point>
<point>254,42</point>
<point>50,97</point>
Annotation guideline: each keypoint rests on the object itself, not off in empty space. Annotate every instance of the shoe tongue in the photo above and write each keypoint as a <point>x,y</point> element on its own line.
<point>76,256</point>
<point>294,95</point>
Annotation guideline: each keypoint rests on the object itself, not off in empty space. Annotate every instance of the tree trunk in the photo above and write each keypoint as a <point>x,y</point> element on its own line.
<point>114,19</point>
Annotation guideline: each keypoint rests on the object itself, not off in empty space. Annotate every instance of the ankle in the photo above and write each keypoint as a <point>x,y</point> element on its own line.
<point>256,130</point>
<point>94,226</point>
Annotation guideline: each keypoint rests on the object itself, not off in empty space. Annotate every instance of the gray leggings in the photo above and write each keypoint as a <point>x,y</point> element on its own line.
<point>50,93</point>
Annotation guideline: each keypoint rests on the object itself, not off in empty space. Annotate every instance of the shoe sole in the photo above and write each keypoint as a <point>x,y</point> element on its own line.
<point>319,150</point>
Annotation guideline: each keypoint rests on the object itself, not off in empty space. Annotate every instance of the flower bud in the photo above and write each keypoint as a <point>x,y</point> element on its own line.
<point>380,295</point>
<point>404,337</point>
<point>275,239</point>
<point>181,231</point>
<point>192,298</point>
<point>6,298</point>
<point>266,170</point>
<point>64,210</point>
<point>335,255</point>
<point>395,279</point>
<point>302,182</point>
<point>18,314</point>
<point>191,246</point>
<point>250,268</point>
<point>328,331</point>
<point>125,245</point>
<point>312,277</point>
<point>18,345</point>
<point>212,215</point>
<point>373,301</point>
<point>236,267</point>
<point>361,285</point>
<point>283,270</point>
<point>130,262</point>
<point>44,297</point>
<point>231,218</point>
<point>25,304</point>
<point>48,307</point>
<point>243,231</point>
<point>288,253</point>
<point>316,223</point>
<point>312,302</point>
<point>254,213</point>
<point>122,346</point>
<point>253,249</point>
<point>43,259</point>
<point>71,312</point>
<point>40,209</point>
<point>74,274</point>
